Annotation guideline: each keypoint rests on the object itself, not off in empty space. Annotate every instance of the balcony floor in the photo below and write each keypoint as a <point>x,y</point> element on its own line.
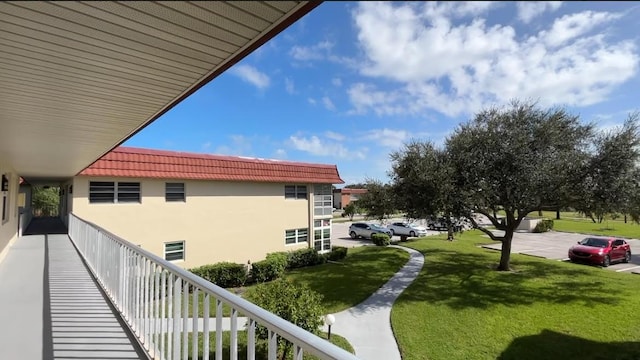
<point>51,307</point>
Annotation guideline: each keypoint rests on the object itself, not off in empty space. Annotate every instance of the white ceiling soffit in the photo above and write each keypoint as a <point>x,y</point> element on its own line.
<point>79,78</point>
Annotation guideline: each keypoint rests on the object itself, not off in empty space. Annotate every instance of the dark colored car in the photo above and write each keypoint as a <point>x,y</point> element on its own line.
<point>600,251</point>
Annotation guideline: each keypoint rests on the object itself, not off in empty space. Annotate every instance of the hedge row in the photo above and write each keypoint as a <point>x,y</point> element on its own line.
<point>543,225</point>
<point>227,274</point>
<point>381,239</point>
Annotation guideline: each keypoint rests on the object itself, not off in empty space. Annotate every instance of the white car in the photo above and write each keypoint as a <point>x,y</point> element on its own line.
<point>403,228</point>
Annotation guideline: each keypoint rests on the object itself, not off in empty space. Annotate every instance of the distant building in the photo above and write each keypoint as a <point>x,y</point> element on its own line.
<point>342,197</point>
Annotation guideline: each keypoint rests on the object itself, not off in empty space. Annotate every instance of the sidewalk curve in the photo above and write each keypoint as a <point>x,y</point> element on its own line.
<point>367,326</point>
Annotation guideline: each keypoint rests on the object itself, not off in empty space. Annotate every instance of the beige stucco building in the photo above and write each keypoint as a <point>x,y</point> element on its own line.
<point>197,209</point>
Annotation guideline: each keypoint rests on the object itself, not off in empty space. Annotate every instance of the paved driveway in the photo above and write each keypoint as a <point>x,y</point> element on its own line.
<point>554,245</point>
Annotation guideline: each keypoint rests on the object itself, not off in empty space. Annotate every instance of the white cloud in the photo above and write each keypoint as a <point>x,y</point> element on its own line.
<point>240,146</point>
<point>387,137</point>
<point>571,26</point>
<point>456,69</point>
<point>328,104</point>
<point>315,52</point>
<point>336,82</point>
<point>206,146</point>
<point>280,154</point>
<point>311,101</point>
<point>316,146</point>
<point>251,75</point>
<point>289,86</point>
<point>528,10</point>
<point>334,136</point>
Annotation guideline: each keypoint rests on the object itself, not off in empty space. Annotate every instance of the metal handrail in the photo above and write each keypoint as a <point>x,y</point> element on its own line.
<point>139,284</point>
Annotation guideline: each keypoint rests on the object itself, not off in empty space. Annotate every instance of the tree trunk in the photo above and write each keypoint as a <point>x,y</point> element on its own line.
<point>505,253</point>
<point>450,232</point>
<point>625,218</point>
<point>540,213</point>
<point>558,214</point>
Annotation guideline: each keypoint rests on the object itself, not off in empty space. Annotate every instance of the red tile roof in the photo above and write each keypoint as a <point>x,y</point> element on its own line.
<point>148,163</point>
<point>353,191</point>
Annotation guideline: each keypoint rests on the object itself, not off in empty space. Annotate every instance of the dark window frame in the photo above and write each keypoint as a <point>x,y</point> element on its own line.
<point>115,192</point>
<point>296,192</point>
<point>175,192</point>
<point>168,256</point>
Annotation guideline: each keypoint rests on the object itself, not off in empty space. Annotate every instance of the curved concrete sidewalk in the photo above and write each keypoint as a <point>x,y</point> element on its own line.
<point>367,326</point>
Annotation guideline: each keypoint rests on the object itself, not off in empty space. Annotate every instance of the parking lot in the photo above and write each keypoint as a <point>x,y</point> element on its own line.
<point>555,245</point>
<point>551,245</point>
<point>340,233</point>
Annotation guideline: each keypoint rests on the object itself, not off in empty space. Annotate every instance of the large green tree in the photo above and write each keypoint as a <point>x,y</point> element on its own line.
<point>605,183</point>
<point>424,184</point>
<point>516,159</point>
<point>379,200</point>
<point>45,200</point>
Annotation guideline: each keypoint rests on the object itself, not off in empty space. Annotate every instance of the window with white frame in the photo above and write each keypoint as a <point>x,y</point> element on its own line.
<point>174,251</point>
<point>296,236</point>
<point>322,234</point>
<point>322,200</point>
<point>174,192</point>
<point>295,191</point>
<point>114,192</point>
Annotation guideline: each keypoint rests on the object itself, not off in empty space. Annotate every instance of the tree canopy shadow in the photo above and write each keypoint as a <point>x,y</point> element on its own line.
<point>468,280</point>
<point>553,345</point>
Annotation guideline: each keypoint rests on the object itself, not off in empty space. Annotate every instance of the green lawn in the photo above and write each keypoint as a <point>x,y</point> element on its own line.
<point>460,308</point>
<point>577,223</point>
<point>367,266</point>
<point>353,280</point>
<point>607,227</point>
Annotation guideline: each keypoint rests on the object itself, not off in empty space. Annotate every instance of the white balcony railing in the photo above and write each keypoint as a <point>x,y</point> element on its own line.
<point>152,296</point>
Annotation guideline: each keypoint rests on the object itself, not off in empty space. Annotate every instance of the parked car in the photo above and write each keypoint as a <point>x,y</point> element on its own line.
<point>365,230</point>
<point>600,251</point>
<point>440,224</point>
<point>404,228</point>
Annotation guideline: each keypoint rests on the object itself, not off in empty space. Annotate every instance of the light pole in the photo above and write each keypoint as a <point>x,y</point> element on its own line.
<point>329,320</point>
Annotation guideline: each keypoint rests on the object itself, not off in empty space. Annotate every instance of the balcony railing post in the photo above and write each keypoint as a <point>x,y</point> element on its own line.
<point>177,320</point>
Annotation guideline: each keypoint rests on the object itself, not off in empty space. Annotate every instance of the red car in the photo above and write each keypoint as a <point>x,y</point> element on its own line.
<point>600,251</point>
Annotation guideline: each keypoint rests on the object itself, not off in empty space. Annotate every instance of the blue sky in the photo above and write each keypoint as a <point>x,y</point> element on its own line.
<point>351,82</point>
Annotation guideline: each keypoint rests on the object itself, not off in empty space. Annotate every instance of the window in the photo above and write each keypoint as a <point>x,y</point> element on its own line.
<point>128,192</point>
<point>101,192</point>
<point>174,192</point>
<point>295,191</point>
<point>322,200</point>
<point>110,192</point>
<point>174,251</point>
<point>322,234</point>
<point>5,211</point>
<point>296,236</point>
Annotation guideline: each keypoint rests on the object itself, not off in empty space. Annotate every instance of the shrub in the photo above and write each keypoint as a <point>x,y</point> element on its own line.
<point>543,225</point>
<point>337,253</point>
<point>293,302</point>
<point>270,268</point>
<point>381,239</point>
<point>304,257</point>
<point>224,274</point>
